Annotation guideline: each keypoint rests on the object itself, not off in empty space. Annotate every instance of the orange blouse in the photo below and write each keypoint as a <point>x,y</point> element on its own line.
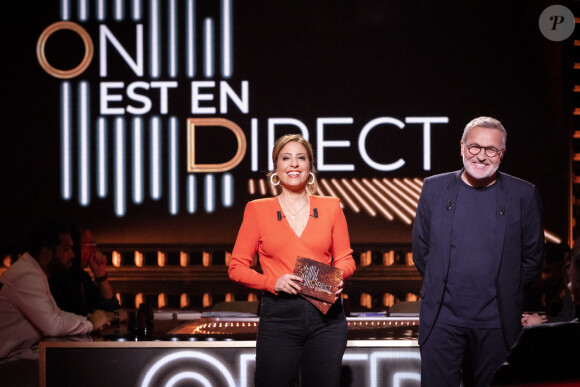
<point>325,239</point>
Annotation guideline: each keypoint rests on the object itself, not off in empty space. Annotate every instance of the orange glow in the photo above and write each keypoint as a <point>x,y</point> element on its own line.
<point>206,258</point>
<point>138,258</point>
<point>161,259</point>
<point>207,300</point>
<point>116,259</point>
<point>162,300</point>
<point>183,259</point>
<point>389,258</point>
<point>138,300</point>
<point>388,300</point>
<point>366,301</point>
<point>184,301</point>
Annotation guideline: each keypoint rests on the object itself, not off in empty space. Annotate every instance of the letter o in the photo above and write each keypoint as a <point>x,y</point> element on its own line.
<point>41,45</point>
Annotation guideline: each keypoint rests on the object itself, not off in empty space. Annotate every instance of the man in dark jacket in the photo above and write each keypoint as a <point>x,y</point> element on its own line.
<point>477,242</point>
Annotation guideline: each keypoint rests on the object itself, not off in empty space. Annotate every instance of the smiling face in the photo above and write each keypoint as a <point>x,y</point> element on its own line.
<point>480,169</point>
<point>293,166</point>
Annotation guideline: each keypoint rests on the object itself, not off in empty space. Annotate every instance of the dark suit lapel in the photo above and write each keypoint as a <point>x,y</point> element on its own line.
<point>502,211</point>
<point>447,206</point>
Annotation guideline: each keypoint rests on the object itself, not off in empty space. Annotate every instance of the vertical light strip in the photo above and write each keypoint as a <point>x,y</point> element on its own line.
<point>102,174</point>
<point>83,11</point>
<point>209,193</point>
<point>120,190</point>
<point>251,186</point>
<point>172,39</point>
<point>173,167</point>
<point>119,10</point>
<point>227,190</point>
<point>191,194</point>
<point>101,10</point>
<point>254,139</point>
<point>190,38</point>
<point>227,39</point>
<point>65,10</point>
<point>208,48</point>
<point>262,185</point>
<point>84,148</point>
<point>137,10</point>
<point>66,141</point>
<point>138,174</point>
<point>155,158</point>
<point>154,42</point>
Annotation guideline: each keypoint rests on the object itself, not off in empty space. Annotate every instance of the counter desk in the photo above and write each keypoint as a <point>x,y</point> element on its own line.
<point>220,351</point>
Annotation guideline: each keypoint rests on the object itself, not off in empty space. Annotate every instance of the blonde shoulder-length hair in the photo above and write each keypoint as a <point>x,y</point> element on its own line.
<point>312,185</point>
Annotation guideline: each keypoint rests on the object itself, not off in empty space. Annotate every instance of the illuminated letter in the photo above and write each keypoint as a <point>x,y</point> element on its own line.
<point>41,45</point>
<point>240,137</point>
<point>106,97</point>
<point>163,96</point>
<point>105,34</point>
<point>427,121</point>
<point>226,91</point>
<point>321,144</point>
<point>362,148</point>
<point>196,97</point>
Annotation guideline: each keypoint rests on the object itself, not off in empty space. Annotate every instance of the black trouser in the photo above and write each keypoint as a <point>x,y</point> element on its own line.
<point>443,354</point>
<point>293,335</point>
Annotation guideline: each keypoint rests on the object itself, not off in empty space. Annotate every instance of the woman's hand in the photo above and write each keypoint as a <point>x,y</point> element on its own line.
<point>337,294</point>
<point>289,283</point>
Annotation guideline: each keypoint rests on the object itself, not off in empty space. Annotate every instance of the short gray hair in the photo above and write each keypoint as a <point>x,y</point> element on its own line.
<point>489,123</point>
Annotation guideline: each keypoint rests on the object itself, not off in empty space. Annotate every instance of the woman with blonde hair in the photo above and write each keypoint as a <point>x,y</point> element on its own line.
<point>293,335</point>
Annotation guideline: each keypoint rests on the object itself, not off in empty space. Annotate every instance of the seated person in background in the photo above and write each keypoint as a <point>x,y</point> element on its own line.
<point>28,311</point>
<point>566,313</point>
<point>72,287</point>
<point>547,352</point>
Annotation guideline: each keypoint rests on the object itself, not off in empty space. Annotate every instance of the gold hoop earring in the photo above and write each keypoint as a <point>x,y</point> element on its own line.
<point>313,179</point>
<point>272,179</point>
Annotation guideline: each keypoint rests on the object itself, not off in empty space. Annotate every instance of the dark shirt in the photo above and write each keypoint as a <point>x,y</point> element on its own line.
<point>470,293</point>
<point>74,291</point>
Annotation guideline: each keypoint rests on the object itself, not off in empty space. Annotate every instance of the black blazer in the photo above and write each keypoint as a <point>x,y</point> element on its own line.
<point>519,247</point>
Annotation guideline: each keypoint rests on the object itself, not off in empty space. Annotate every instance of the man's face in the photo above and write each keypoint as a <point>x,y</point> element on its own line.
<point>64,252</point>
<point>481,167</point>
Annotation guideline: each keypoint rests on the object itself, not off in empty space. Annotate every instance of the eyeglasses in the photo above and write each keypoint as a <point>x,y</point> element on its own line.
<point>490,151</point>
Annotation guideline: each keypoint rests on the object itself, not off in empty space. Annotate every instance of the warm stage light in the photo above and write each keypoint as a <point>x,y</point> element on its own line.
<point>139,259</point>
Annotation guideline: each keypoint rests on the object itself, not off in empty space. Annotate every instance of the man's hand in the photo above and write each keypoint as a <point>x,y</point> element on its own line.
<point>101,319</point>
<point>98,264</point>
